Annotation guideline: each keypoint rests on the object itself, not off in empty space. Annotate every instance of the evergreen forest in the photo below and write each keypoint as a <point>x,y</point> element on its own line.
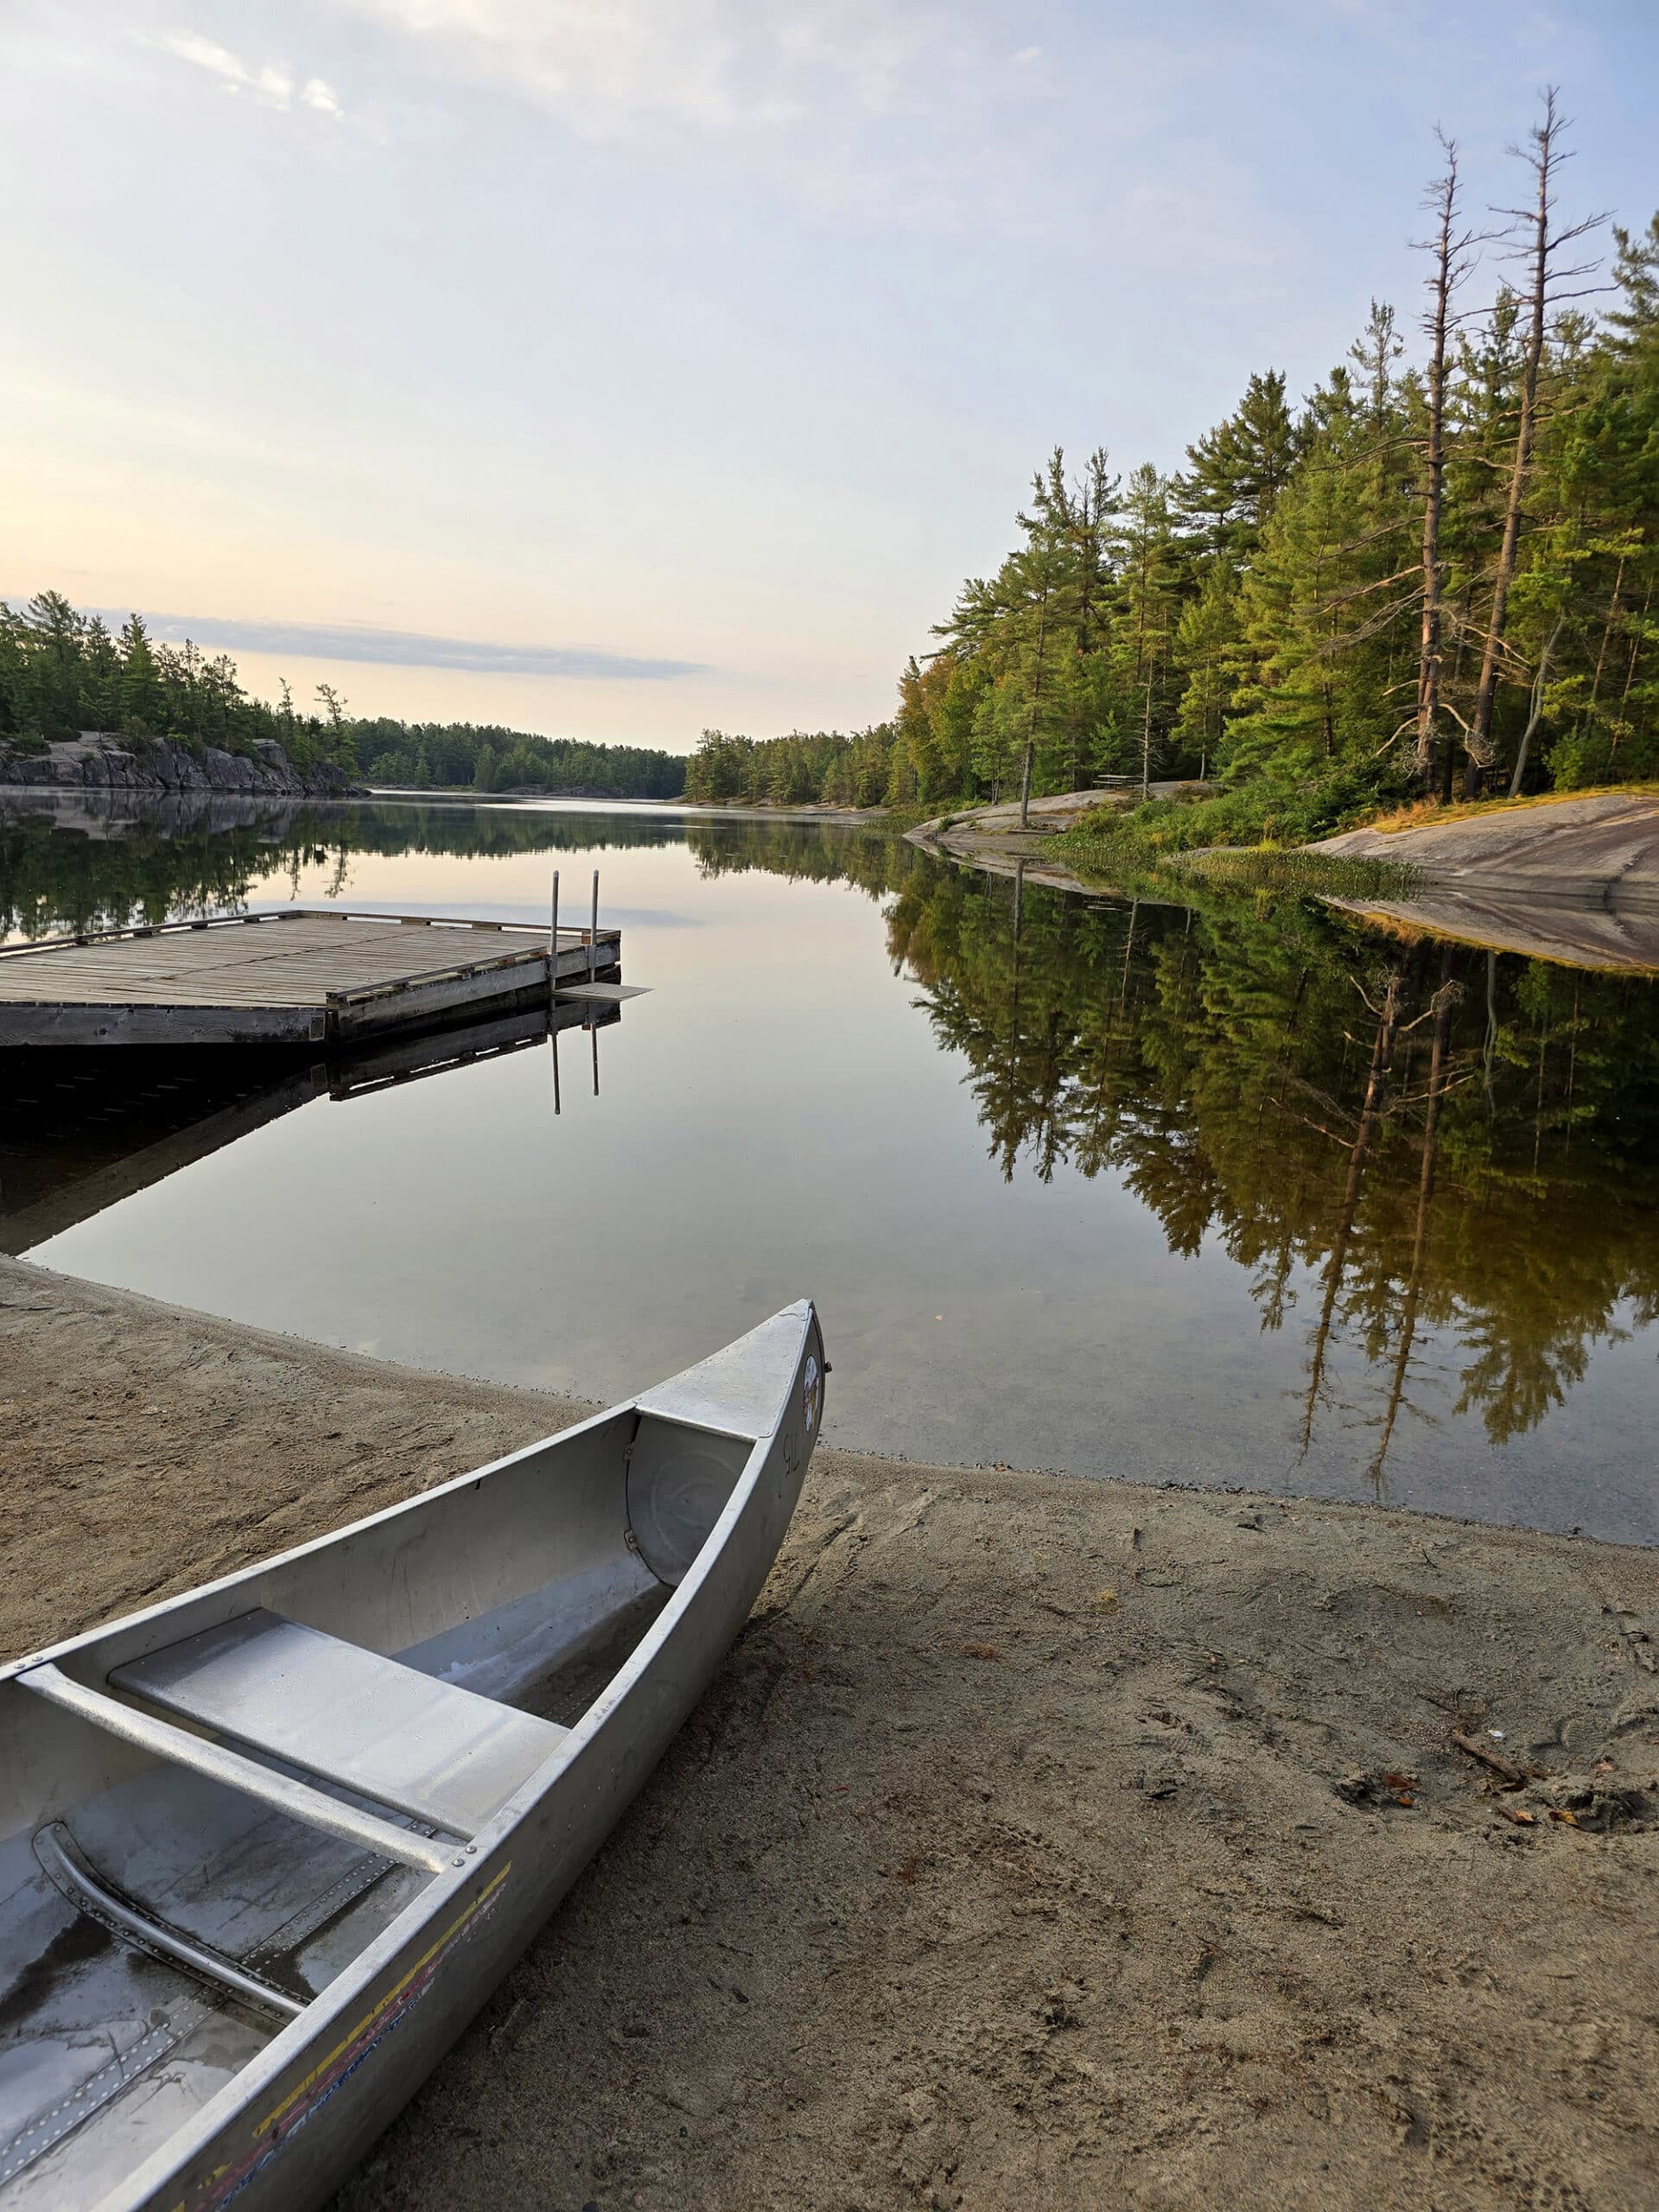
<point>483,757</point>
<point>63,672</point>
<point>1431,578</point>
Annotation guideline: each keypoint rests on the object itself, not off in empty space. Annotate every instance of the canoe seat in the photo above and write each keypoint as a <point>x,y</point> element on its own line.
<point>442,1755</point>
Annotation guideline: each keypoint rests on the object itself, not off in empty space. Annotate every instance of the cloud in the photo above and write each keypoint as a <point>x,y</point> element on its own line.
<point>889,111</point>
<point>966,119</point>
<point>724,67</point>
<point>615,63</point>
<point>354,641</point>
<point>270,85</point>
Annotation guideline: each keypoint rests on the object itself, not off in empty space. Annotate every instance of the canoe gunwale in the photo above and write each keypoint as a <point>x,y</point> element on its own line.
<point>125,1623</point>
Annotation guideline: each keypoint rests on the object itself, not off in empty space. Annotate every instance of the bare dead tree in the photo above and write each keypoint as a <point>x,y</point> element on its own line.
<point>1450,247</point>
<point>1544,242</point>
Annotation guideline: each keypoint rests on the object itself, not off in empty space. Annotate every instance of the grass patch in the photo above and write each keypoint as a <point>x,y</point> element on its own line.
<point>1252,840</point>
<point>1126,864</point>
<point>1290,870</point>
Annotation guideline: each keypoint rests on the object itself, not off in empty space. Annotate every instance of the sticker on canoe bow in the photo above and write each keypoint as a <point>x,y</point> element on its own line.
<point>809,1392</point>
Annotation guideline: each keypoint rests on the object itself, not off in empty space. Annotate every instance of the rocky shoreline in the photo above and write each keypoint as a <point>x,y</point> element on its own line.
<point>990,837</point>
<point>1571,880</point>
<point>1600,849</point>
<point>97,761</point>
<point>1041,1841</point>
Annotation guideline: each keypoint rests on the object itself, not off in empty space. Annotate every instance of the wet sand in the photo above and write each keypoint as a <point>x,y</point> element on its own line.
<point>1042,1843</point>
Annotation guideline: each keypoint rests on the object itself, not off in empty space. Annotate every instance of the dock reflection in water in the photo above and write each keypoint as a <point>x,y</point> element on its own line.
<point>79,1131</point>
<point>1218,1193</point>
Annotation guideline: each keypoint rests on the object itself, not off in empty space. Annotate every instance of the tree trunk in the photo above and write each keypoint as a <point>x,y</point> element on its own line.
<point>1537,714</point>
<point>1607,629</point>
<point>1446,270</point>
<point>1031,718</point>
<point>1146,740</point>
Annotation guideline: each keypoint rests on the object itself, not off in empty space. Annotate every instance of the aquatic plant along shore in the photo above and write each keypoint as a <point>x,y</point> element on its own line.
<point>1039,1838</point>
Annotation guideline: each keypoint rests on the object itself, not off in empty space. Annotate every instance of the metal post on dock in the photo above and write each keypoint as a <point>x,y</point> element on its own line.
<point>553,988</point>
<point>593,934</point>
<point>553,938</point>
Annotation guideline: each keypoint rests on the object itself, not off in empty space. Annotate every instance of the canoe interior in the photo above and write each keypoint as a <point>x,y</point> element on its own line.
<point>159,1926</point>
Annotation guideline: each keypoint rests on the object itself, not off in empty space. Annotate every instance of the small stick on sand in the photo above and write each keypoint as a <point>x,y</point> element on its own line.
<point>1515,1776</point>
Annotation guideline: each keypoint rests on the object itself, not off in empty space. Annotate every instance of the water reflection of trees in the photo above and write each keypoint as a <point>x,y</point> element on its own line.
<point>806,852</point>
<point>1397,1140</point>
<point>95,864</point>
<point>70,869</point>
<point>1405,1146</point>
<point>1408,1146</point>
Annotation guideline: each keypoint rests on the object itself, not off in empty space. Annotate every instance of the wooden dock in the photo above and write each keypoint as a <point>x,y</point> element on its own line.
<point>299,976</point>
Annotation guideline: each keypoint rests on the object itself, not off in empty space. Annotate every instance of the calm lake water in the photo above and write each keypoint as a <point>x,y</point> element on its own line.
<point>1221,1196</point>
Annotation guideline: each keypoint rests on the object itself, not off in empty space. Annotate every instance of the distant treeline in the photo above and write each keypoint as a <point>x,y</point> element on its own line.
<point>62,672</point>
<point>823,769</point>
<point>485,757</point>
<point>1435,575</point>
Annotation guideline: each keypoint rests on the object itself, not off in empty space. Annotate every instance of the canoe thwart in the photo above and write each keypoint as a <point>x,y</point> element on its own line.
<point>221,1764</point>
<point>443,1755</point>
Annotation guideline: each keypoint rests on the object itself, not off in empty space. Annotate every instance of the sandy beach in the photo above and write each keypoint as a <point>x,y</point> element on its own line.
<point>1042,1841</point>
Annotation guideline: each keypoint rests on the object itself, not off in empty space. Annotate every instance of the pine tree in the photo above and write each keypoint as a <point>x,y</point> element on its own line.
<point>1206,651</point>
<point>1450,246</point>
<point>1147,677</point>
<point>1324,612</point>
<point>1238,470</point>
<point>56,638</point>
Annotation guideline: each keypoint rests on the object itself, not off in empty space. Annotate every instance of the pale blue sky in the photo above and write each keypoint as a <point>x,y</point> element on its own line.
<point>689,350</point>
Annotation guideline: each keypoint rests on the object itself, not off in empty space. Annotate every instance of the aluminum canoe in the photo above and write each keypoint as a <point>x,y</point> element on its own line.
<point>265,1848</point>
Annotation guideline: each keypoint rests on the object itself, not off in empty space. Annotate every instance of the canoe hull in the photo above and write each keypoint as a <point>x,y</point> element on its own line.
<point>293,2122</point>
